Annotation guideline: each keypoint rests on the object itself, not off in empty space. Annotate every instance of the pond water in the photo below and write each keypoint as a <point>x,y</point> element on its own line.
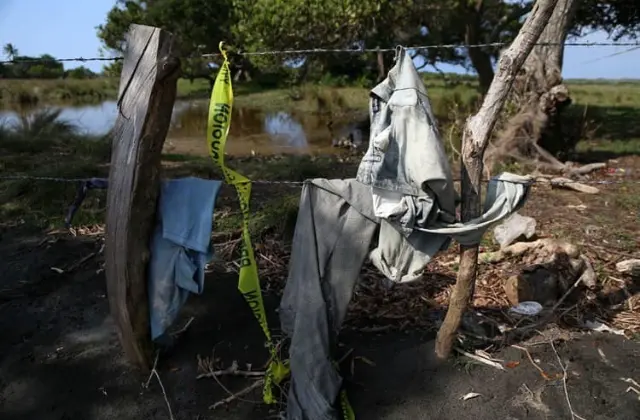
<point>252,131</point>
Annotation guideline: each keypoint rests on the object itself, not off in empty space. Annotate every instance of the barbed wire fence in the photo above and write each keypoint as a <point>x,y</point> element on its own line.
<point>310,51</point>
<point>306,52</point>
<point>534,180</point>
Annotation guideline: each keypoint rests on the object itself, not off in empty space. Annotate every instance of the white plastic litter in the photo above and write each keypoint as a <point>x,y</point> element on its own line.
<point>529,308</point>
<point>469,396</point>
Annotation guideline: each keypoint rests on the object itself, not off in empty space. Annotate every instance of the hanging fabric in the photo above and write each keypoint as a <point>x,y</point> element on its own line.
<point>180,249</point>
<point>404,197</point>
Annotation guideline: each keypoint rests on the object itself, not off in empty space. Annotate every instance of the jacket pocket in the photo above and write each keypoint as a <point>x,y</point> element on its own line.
<point>382,139</point>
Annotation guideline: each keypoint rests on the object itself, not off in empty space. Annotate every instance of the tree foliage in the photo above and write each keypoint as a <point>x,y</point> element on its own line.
<point>197,24</point>
<point>619,18</point>
<point>43,67</point>
<point>10,51</point>
<point>255,25</point>
<point>25,67</point>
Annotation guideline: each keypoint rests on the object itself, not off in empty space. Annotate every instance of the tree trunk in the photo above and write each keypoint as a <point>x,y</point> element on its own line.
<point>475,140</point>
<point>480,60</point>
<point>534,134</point>
<point>382,73</point>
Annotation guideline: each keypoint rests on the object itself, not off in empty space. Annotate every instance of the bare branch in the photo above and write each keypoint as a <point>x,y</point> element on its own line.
<point>475,140</point>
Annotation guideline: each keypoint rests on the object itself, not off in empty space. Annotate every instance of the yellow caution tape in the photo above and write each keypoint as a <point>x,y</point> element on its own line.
<point>248,282</point>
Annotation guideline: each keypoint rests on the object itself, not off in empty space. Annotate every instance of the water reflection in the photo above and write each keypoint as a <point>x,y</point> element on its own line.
<point>90,119</point>
<point>252,131</point>
<point>284,128</point>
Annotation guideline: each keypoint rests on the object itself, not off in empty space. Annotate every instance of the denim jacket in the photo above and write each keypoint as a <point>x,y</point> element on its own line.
<point>405,163</point>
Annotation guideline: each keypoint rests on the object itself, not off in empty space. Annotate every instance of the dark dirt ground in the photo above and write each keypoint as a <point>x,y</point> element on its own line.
<point>60,358</point>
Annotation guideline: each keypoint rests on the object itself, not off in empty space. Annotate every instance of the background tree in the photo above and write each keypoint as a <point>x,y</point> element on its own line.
<point>80,73</point>
<point>10,51</point>
<point>535,134</point>
<point>619,18</point>
<point>197,24</point>
<point>254,25</point>
<point>353,24</point>
<point>112,69</point>
<point>43,67</point>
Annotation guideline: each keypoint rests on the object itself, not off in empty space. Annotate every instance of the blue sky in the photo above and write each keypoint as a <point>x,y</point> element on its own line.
<point>66,28</point>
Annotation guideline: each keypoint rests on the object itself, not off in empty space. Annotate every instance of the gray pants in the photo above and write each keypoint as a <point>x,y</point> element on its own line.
<point>334,231</point>
<point>330,244</point>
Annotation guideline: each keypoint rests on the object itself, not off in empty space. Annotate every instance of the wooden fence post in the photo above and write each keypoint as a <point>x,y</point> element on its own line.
<point>147,93</point>
<point>474,142</point>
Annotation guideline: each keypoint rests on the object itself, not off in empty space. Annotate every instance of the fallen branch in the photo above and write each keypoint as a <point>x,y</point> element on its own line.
<point>573,185</point>
<point>586,169</point>
<point>610,250</point>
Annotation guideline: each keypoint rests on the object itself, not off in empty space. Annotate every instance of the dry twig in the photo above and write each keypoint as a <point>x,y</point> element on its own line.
<point>231,371</point>
<point>535,365</point>
<point>185,328</point>
<point>154,372</point>
<point>564,382</point>
<point>480,359</point>
<point>238,395</point>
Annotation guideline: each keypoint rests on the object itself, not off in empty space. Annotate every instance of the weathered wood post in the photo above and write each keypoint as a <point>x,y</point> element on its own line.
<point>145,100</point>
<point>474,142</point>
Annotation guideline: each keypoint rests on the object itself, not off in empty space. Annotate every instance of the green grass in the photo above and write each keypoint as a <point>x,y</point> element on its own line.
<point>277,214</point>
<point>462,90</point>
<point>16,92</point>
<point>42,145</point>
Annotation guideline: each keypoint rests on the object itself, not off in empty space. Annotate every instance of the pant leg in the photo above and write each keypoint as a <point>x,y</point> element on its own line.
<point>331,241</point>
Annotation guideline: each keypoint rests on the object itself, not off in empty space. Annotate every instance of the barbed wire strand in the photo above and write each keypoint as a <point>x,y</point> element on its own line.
<point>534,180</point>
<point>625,51</point>
<point>341,50</point>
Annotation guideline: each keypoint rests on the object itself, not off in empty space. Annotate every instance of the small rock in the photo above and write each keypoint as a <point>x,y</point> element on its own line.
<point>588,277</point>
<point>631,267</point>
<point>514,227</point>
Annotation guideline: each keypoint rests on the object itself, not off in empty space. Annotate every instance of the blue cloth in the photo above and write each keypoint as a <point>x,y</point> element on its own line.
<point>180,247</point>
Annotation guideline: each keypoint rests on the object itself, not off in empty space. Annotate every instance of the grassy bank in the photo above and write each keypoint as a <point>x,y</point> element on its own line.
<point>43,146</point>
<point>15,93</point>
<point>604,114</point>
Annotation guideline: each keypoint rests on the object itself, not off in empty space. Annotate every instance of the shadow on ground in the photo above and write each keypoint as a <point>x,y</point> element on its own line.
<point>60,358</point>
